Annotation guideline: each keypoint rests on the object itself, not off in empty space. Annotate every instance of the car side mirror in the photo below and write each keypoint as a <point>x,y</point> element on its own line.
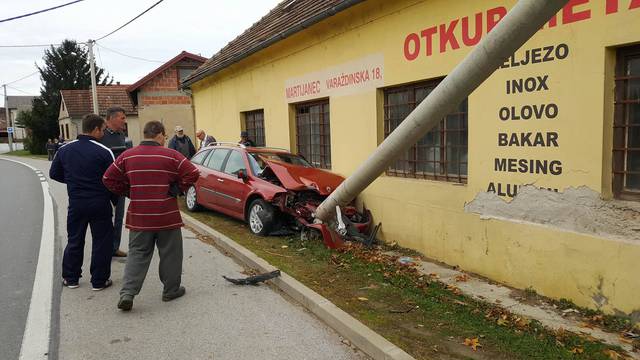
<point>242,175</point>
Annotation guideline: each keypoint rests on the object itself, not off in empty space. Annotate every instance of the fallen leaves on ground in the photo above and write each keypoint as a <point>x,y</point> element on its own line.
<point>462,278</point>
<point>586,325</point>
<point>474,343</point>
<point>362,298</point>
<point>577,350</point>
<point>503,320</point>
<point>614,355</point>
<point>522,322</point>
<point>454,289</point>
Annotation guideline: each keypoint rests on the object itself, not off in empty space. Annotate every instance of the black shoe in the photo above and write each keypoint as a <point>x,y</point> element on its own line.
<point>175,295</point>
<point>71,284</point>
<point>104,286</point>
<point>125,303</point>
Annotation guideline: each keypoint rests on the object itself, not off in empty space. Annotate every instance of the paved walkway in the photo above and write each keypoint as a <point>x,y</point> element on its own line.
<point>215,320</point>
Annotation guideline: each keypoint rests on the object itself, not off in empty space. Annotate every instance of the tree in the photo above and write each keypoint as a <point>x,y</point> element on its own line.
<point>35,129</point>
<point>66,67</point>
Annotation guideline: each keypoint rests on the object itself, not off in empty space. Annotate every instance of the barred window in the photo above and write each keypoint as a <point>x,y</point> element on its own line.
<point>626,127</point>
<point>254,125</point>
<point>313,133</point>
<point>442,153</point>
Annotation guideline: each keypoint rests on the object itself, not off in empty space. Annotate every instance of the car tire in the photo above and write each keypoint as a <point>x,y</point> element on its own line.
<point>261,217</point>
<point>191,199</point>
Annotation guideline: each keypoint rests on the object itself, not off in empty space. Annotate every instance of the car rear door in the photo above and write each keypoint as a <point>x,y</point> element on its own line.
<point>233,189</point>
<point>198,160</point>
<point>210,177</point>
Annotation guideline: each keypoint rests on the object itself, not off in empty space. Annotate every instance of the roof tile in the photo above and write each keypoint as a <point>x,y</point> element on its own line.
<point>283,19</point>
<point>79,102</point>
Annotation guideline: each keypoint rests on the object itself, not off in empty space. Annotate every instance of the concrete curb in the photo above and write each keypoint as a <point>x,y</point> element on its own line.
<point>346,325</point>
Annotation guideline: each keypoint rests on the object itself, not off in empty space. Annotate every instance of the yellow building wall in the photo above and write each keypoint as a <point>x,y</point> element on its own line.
<point>429,215</point>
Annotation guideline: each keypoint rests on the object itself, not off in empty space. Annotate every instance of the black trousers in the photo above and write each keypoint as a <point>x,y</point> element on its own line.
<point>82,213</point>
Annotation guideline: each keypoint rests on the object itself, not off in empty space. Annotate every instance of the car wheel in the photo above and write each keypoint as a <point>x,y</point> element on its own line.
<point>192,199</point>
<point>261,217</point>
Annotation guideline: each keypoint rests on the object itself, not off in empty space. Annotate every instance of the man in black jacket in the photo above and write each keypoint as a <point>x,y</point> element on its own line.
<point>81,164</point>
<point>116,141</point>
<point>182,143</point>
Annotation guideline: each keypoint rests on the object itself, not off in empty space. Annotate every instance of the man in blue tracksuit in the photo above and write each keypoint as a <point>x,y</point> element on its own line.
<point>81,164</point>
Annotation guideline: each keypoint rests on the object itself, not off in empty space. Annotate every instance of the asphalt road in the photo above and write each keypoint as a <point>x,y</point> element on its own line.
<point>21,205</point>
<point>215,320</point>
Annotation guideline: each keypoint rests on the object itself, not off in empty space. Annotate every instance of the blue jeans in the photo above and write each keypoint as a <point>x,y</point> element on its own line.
<point>117,223</point>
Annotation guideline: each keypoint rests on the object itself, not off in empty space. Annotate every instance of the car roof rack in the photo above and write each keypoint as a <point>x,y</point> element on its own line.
<point>271,148</point>
<point>227,144</point>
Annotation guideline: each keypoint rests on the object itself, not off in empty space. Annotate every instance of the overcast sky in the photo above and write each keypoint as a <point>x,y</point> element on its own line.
<point>198,26</point>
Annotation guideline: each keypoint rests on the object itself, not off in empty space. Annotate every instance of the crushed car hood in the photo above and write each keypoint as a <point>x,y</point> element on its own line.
<point>299,178</point>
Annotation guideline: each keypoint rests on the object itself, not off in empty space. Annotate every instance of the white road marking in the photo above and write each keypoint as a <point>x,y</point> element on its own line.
<point>37,331</point>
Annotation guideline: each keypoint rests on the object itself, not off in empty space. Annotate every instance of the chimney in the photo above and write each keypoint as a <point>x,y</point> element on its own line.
<point>117,82</point>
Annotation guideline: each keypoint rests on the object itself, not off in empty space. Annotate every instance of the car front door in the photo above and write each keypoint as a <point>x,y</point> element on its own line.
<point>212,168</point>
<point>232,188</point>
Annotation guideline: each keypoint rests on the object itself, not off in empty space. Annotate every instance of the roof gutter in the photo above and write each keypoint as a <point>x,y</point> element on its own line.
<point>283,35</point>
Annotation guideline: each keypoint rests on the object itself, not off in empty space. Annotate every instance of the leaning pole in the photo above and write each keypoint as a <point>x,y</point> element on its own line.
<point>520,24</point>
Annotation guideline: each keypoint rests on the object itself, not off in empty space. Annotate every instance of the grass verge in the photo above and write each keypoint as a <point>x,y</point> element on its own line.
<point>25,153</point>
<point>424,317</point>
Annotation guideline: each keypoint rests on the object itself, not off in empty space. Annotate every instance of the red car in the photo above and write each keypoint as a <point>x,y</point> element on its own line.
<point>268,188</point>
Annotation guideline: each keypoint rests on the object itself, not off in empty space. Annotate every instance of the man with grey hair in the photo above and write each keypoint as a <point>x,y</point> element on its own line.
<point>114,138</point>
<point>205,140</point>
<point>182,143</point>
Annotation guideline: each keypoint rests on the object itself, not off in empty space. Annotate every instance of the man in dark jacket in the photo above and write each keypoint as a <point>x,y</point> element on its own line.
<point>116,141</point>
<point>51,149</point>
<point>81,164</point>
<point>182,143</point>
<point>152,176</point>
<point>244,139</point>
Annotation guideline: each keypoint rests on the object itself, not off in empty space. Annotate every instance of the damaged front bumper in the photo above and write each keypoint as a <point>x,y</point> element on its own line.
<point>352,225</point>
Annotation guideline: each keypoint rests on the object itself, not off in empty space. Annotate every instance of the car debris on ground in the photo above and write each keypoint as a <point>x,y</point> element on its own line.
<point>254,280</point>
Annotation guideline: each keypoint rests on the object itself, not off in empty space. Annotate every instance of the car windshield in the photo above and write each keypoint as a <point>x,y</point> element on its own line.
<point>257,164</point>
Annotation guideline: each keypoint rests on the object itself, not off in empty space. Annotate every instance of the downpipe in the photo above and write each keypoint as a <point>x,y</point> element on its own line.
<point>518,26</point>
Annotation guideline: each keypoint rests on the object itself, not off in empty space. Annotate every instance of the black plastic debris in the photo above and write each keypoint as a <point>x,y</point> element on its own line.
<point>254,280</point>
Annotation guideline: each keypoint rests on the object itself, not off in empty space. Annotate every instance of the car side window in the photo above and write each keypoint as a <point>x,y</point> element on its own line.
<point>199,157</point>
<point>235,163</point>
<point>215,161</point>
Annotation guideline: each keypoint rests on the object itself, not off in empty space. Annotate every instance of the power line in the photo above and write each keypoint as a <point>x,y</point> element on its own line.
<point>129,56</point>
<point>130,21</point>
<point>99,56</point>
<point>39,12</point>
<point>28,46</point>
<point>22,91</point>
<point>22,78</point>
<point>111,33</point>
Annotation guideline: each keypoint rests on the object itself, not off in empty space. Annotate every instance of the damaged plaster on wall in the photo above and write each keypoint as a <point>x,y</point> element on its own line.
<point>576,209</point>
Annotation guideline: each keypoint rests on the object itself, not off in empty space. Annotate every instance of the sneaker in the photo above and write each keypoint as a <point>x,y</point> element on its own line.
<point>125,303</point>
<point>175,295</point>
<point>119,253</point>
<point>71,284</point>
<point>104,286</point>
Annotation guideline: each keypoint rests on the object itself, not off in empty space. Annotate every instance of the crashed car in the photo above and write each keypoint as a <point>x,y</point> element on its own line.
<point>272,189</point>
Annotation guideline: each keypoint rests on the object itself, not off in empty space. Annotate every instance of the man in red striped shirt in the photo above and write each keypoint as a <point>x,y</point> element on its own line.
<point>152,176</point>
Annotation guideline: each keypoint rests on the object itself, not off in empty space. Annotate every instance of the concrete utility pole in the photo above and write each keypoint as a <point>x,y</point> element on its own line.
<point>6,109</point>
<point>520,24</point>
<point>94,90</point>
